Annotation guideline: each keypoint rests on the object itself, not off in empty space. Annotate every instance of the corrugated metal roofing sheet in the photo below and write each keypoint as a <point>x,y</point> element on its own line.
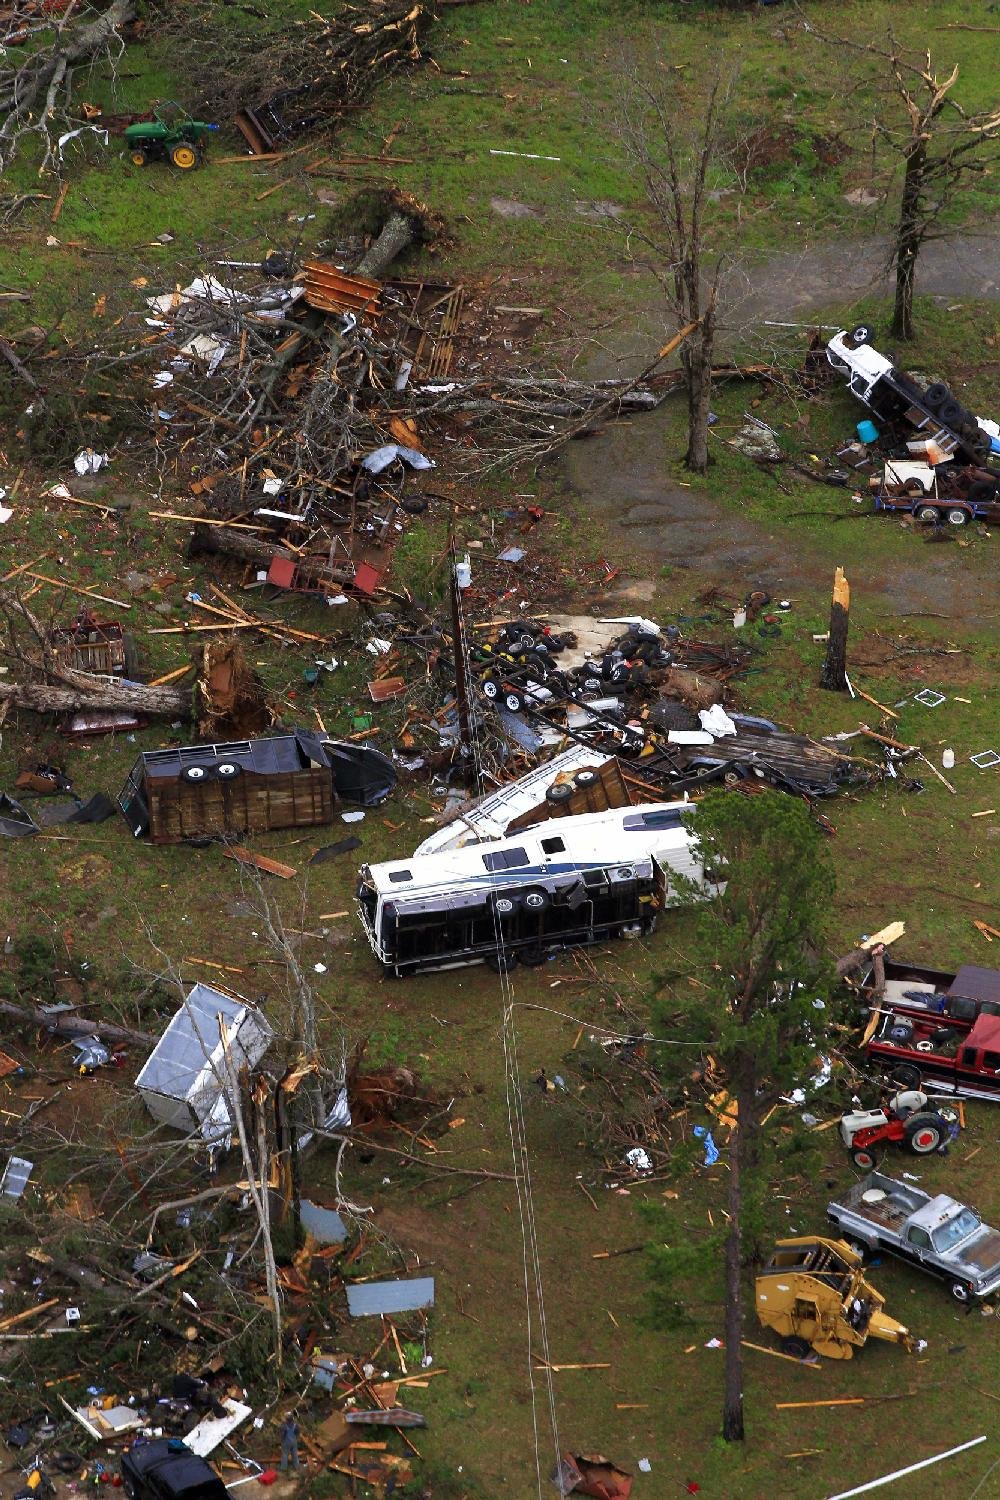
<point>188,1042</point>
<point>368,1299</point>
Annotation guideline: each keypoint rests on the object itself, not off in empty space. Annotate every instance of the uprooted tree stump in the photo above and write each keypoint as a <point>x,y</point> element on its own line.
<point>406,221</point>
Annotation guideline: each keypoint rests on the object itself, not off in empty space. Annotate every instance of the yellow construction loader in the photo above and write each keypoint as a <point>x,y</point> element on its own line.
<point>812,1293</point>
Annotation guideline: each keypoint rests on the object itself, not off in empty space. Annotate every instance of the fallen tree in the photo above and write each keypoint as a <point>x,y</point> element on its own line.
<point>36,89</point>
<point>103,693</point>
<point>70,1025</point>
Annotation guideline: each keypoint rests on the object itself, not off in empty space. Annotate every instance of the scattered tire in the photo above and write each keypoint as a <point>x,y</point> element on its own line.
<point>413,505</point>
<point>906,1076</point>
<point>925,1133</point>
<point>950,412</point>
<point>902,1031</point>
<point>935,395</point>
<point>591,684</point>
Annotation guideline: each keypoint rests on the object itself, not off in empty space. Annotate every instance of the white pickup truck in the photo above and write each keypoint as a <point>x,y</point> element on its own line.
<point>939,1235</point>
<point>933,412</point>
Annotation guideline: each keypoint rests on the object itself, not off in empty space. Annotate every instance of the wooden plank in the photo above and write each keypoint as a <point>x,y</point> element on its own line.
<point>259,862</point>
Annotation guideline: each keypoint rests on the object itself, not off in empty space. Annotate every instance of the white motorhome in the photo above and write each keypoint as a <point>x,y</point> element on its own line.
<point>565,882</point>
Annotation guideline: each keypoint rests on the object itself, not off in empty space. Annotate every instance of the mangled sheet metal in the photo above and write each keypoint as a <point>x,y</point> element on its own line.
<point>211,1431</point>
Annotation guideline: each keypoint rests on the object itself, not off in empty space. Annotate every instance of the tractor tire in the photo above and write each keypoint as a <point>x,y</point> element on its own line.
<point>795,1347</point>
<point>864,1158</point>
<point>139,158</point>
<point>925,1133</point>
<point>513,702</point>
<point>184,156</point>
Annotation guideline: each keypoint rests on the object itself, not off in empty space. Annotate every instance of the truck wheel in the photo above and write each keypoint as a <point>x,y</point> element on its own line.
<point>924,1133</point>
<point>536,899</point>
<point>949,412</point>
<point>928,513</point>
<point>862,334</point>
<point>184,156</point>
<point>796,1347</point>
<point>957,516</point>
<point>960,1291</point>
<point>935,395</point>
<point>514,702</point>
<point>902,1032</point>
<point>863,1158</point>
<point>195,774</point>
<point>491,688</point>
<point>906,1076</point>
<point>505,906</point>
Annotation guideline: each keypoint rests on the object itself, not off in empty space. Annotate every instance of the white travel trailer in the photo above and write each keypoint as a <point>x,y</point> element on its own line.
<point>565,882</point>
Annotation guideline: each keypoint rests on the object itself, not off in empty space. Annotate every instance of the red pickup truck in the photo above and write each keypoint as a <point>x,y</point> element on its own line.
<point>947,1055</point>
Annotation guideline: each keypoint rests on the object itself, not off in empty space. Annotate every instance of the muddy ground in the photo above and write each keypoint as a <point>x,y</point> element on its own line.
<point>623,477</point>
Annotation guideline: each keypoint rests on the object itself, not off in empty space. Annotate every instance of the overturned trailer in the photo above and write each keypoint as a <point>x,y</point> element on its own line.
<point>250,786</point>
<point>563,883</point>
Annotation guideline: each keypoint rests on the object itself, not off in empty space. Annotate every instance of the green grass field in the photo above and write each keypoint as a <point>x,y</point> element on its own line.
<point>541,78</point>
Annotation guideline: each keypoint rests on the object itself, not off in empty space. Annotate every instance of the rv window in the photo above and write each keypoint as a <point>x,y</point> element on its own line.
<point>397,875</point>
<point>666,817</point>
<point>506,859</point>
<point>553,846</point>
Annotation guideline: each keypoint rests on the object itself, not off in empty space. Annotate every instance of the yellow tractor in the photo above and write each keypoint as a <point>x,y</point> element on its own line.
<point>812,1293</point>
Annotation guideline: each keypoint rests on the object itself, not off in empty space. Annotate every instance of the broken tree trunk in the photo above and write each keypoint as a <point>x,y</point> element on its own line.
<point>398,231</point>
<point>215,540</point>
<point>105,693</point>
<point>68,1025</point>
<point>834,674</point>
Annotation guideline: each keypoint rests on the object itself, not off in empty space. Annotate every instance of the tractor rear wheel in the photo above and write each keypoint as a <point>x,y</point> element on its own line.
<point>925,1133</point>
<point>184,156</point>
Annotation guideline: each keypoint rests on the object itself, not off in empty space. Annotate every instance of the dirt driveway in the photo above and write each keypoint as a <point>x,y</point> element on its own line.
<point>621,477</point>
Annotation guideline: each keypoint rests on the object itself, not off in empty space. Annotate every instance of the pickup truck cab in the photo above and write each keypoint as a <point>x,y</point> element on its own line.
<point>166,1469</point>
<point>896,397</point>
<point>950,1055</point>
<point>938,1234</point>
<point>911,990</point>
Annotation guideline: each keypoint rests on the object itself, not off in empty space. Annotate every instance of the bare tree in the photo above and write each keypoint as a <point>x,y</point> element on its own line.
<point>935,147</point>
<point>679,153</point>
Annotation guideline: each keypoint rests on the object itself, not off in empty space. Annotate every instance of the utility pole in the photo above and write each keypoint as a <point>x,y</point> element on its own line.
<point>461,680</point>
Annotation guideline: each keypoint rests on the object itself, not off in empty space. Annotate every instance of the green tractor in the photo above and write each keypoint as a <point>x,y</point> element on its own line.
<point>171,135</point>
